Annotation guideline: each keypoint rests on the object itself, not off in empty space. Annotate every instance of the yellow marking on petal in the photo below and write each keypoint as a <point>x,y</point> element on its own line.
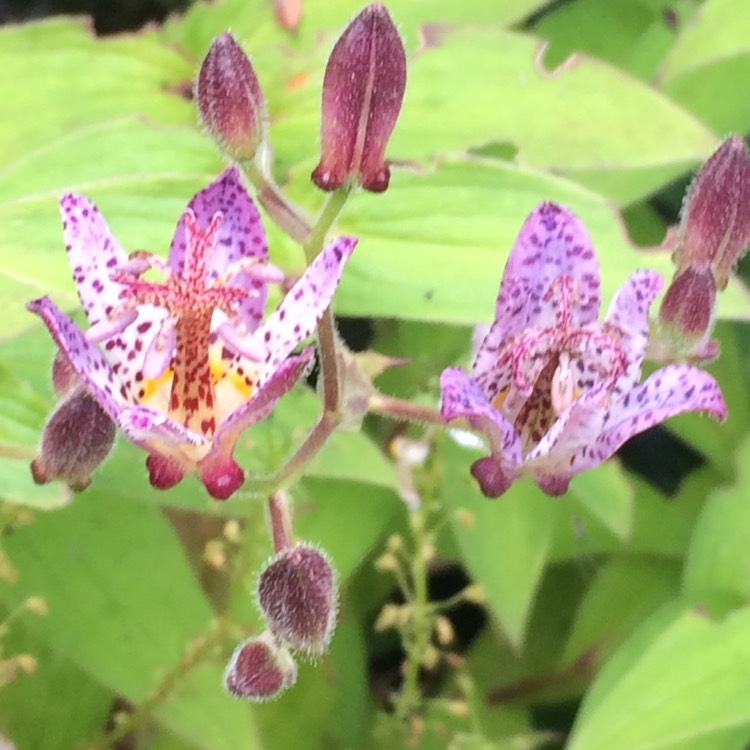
<point>244,388</point>
<point>218,368</point>
<point>499,400</point>
<point>151,387</point>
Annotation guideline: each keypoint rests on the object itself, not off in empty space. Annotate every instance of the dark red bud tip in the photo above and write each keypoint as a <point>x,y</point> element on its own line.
<point>687,310</point>
<point>363,89</point>
<point>298,597</point>
<point>492,480</point>
<point>260,669</point>
<point>64,377</point>
<point>163,473</point>
<point>76,440</point>
<point>715,229</point>
<point>222,477</point>
<point>229,98</point>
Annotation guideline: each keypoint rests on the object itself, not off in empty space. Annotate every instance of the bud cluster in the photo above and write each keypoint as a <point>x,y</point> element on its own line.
<point>363,88</point>
<point>298,598</point>
<point>713,235</point>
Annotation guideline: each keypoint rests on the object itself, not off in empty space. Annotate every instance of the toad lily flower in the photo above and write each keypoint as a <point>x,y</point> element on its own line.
<point>555,391</point>
<point>184,364</point>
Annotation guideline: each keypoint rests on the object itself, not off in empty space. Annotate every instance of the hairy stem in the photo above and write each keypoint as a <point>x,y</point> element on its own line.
<point>397,408</point>
<point>285,214</point>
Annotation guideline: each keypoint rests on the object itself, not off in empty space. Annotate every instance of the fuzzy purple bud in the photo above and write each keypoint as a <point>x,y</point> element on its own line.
<point>687,310</point>
<point>260,669</point>
<point>298,597</point>
<point>230,100</point>
<point>715,229</point>
<point>64,377</point>
<point>76,440</point>
<point>362,93</point>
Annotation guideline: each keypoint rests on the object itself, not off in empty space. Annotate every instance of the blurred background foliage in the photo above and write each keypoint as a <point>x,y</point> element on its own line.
<point>617,616</point>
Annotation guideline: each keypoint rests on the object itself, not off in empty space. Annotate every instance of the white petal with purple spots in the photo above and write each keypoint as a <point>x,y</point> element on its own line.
<point>303,306</point>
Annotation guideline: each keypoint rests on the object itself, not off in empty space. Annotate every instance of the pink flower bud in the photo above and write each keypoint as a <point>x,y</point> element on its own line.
<point>64,377</point>
<point>229,98</point>
<point>77,438</point>
<point>715,229</point>
<point>298,597</point>
<point>362,93</point>
<point>687,310</point>
<point>260,669</point>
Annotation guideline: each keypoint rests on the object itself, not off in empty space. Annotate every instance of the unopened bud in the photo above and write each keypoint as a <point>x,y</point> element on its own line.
<point>64,377</point>
<point>214,554</point>
<point>37,605</point>
<point>430,657</point>
<point>288,13</point>
<point>232,531</point>
<point>444,630</point>
<point>363,89</point>
<point>458,708</point>
<point>687,310</point>
<point>298,597</point>
<point>76,440</point>
<point>715,229</point>
<point>26,663</point>
<point>229,99</point>
<point>386,563</point>
<point>475,594</point>
<point>260,669</point>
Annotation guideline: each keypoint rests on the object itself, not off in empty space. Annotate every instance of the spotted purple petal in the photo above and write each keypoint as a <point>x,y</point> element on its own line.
<point>553,242</point>
<point>260,404</point>
<point>241,236</point>
<point>303,306</point>
<point>628,314</point>
<point>93,254</point>
<point>83,356</point>
<point>673,390</point>
<point>578,426</point>
<point>463,399</point>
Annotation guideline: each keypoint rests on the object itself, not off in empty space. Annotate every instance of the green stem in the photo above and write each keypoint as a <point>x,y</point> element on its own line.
<point>201,653</point>
<point>294,468</point>
<point>421,627</point>
<point>326,329</point>
<point>285,214</point>
<point>397,408</point>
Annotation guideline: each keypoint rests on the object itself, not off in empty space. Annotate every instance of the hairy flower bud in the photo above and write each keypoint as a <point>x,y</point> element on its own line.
<point>260,669</point>
<point>77,438</point>
<point>687,310</point>
<point>362,93</point>
<point>64,377</point>
<point>715,229</point>
<point>229,99</point>
<point>298,597</point>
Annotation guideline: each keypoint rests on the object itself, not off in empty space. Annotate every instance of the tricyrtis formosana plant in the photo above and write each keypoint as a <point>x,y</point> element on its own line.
<point>198,353</point>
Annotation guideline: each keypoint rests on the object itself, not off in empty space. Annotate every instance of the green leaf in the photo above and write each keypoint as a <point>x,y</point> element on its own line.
<point>505,546</point>
<point>608,495</point>
<point>718,559</point>
<point>679,681</point>
<point>445,266</point>
<point>708,64</point>
<point>72,705</point>
<point>625,591</point>
<point>123,607</point>
<point>345,518</point>
<point>632,34</point>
